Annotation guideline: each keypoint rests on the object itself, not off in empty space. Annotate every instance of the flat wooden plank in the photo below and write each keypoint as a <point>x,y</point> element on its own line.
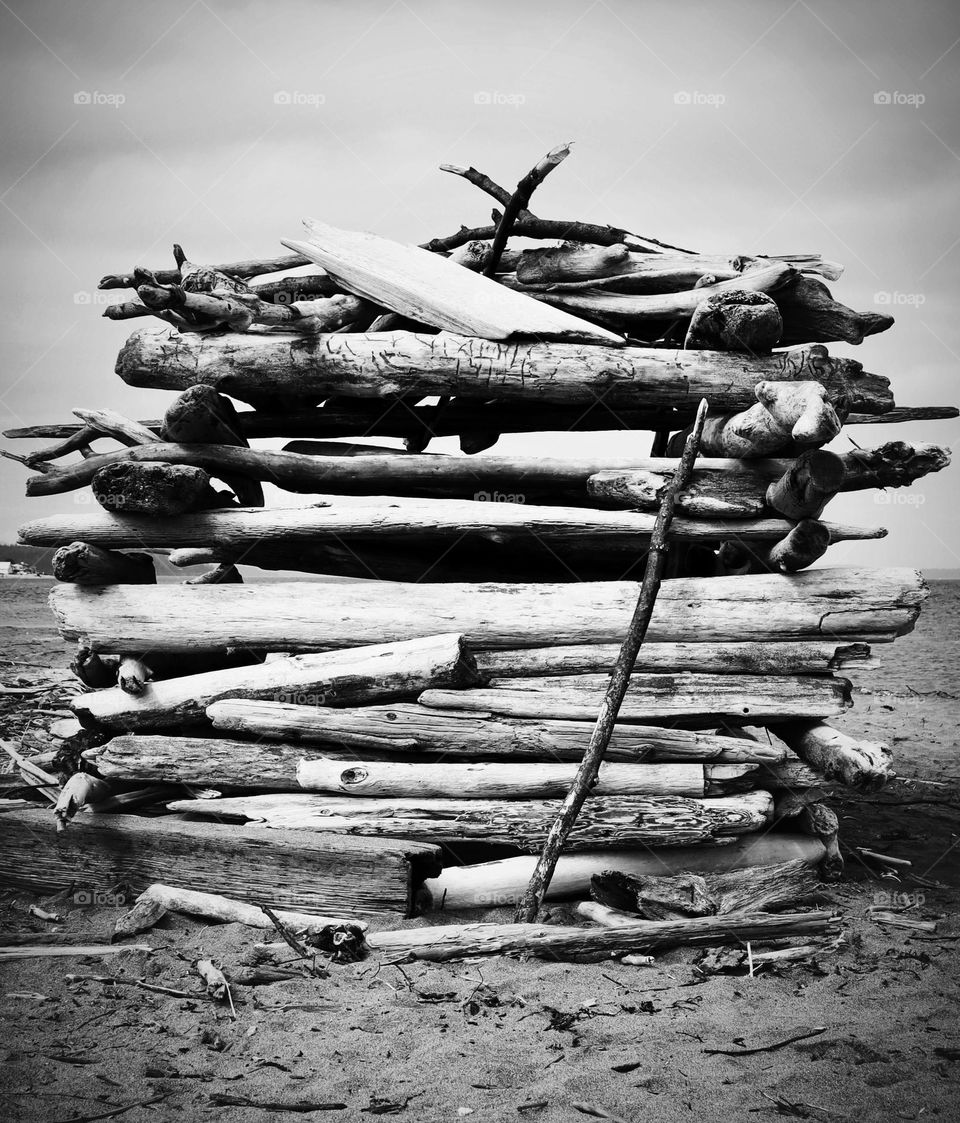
<point>321,874</point>
<point>433,290</point>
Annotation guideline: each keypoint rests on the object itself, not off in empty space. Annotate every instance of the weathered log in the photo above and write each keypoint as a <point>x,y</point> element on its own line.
<point>807,486</point>
<point>389,517</point>
<point>457,941</point>
<point>405,727</point>
<point>636,310</point>
<point>656,897</point>
<point>895,464</point>
<point>844,604</point>
<point>490,884</point>
<point>605,821</point>
<point>331,679</point>
<point>158,899</point>
<point>629,271</point>
<point>786,658</point>
<point>786,417</point>
<point>377,366</point>
<point>495,780</point>
<point>864,765</point>
<point>431,290</point>
<point>80,563</point>
<point>735,321</point>
<point>255,267</point>
<point>806,542</point>
<point>112,424</point>
<point>200,416</point>
<point>308,872</point>
<point>152,489</point>
<point>811,315</point>
<point>655,697</point>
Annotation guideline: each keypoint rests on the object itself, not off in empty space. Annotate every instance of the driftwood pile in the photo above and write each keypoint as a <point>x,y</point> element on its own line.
<point>361,732</point>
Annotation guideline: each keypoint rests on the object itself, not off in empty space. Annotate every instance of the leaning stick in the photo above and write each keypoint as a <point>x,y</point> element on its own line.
<point>619,681</point>
<point>518,202</point>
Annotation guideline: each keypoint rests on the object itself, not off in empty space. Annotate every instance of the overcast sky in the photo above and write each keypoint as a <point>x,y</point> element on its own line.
<point>728,127</point>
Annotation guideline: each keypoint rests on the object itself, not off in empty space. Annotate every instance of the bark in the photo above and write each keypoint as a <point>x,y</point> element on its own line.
<point>431,290</point>
<point>330,679</point>
<point>327,875</point>
<point>457,941</point>
<point>864,765</point>
<point>378,366</point>
<point>605,821</point>
<point>80,563</point>
<point>844,605</point>
<point>735,321</point>
<point>405,727</point>
<point>656,697</point>
<point>811,315</point>
<point>387,518</point>
<point>151,489</point>
<point>499,883</point>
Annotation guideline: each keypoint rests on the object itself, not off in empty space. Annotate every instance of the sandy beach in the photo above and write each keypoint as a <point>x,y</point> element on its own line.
<point>497,1039</point>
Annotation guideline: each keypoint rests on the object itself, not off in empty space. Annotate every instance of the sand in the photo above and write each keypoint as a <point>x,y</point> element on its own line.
<point>500,1039</point>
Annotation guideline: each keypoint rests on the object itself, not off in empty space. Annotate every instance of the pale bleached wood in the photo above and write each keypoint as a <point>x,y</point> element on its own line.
<point>431,290</point>
<point>323,874</point>
<point>251,366</point>
<point>844,604</point>
<point>494,780</point>
<point>113,424</point>
<point>788,658</point>
<point>499,883</point>
<point>456,941</point>
<point>785,418</point>
<point>158,899</point>
<point>365,674</point>
<point>864,765</point>
<point>655,697</point>
<point>395,517</point>
<point>635,310</point>
<point>407,727</point>
<point>605,821</point>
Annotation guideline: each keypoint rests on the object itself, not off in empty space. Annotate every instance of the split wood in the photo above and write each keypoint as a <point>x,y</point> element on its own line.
<point>619,681</point>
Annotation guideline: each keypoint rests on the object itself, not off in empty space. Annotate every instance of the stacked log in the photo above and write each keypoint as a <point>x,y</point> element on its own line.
<point>442,702</point>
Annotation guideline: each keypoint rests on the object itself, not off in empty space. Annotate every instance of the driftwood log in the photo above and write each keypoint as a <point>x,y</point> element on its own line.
<point>79,563</point>
<point>342,678</point>
<point>490,884</point>
<point>457,941</point>
<point>252,367</point>
<point>846,604</point>
<point>864,765</point>
<point>152,489</point>
<point>406,727</point>
<point>655,697</point>
<point>605,821</point>
<point>307,872</point>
